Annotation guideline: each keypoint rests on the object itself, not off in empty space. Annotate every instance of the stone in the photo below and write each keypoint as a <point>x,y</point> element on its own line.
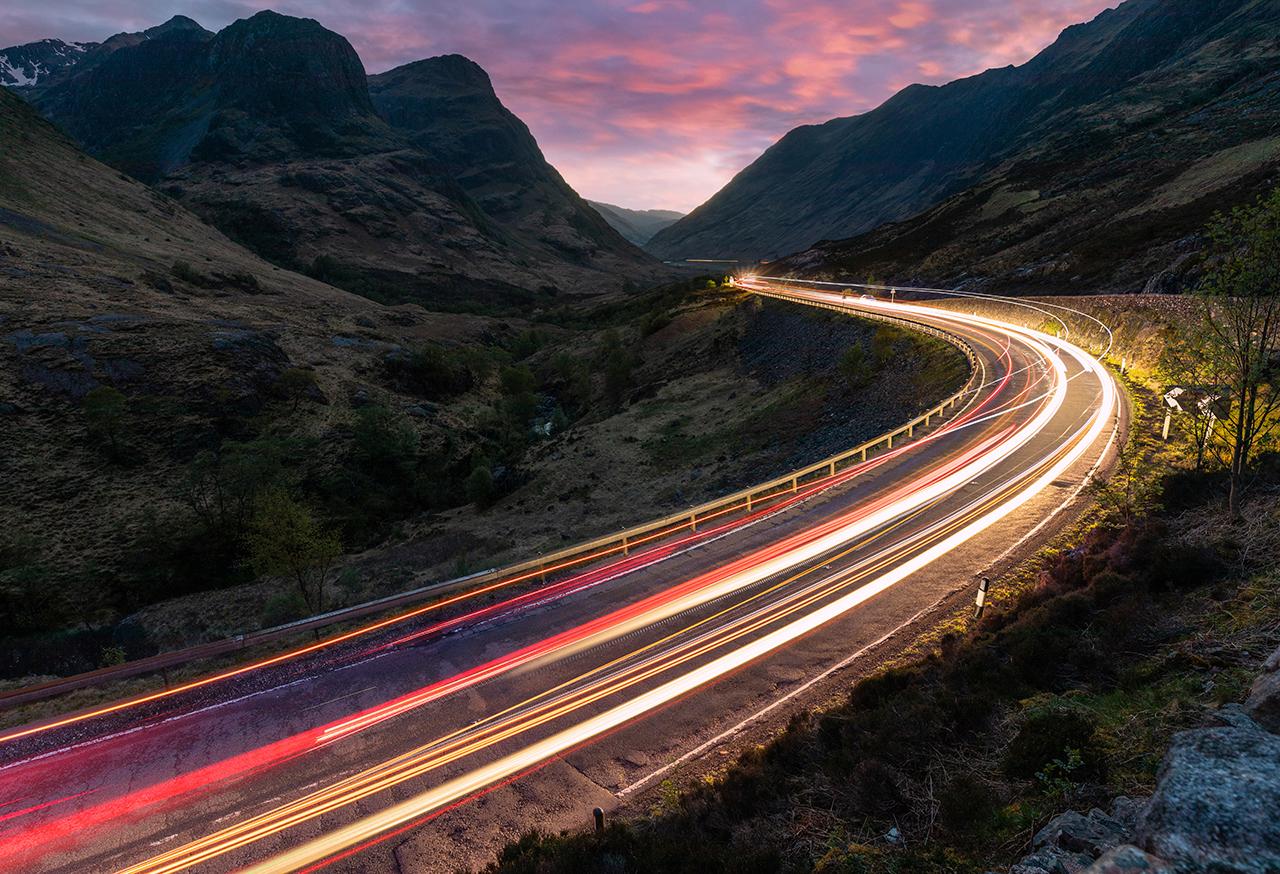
<point>1092,835</point>
<point>1263,704</point>
<point>1215,802</point>
<point>1128,859</point>
<point>1050,860</point>
<point>1126,810</point>
<point>1231,715</point>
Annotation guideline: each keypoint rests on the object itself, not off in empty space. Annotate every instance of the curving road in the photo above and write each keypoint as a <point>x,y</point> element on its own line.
<point>603,673</point>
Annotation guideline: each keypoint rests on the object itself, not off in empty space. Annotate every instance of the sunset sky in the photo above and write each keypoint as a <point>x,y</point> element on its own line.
<point>643,103</point>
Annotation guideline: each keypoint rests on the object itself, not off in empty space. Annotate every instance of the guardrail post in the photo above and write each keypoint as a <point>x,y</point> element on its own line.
<point>864,455</point>
<point>693,522</point>
<point>833,469</point>
<point>748,502</point>
<point>794,486</point>
<point>165,672</point>
<point>542,570</point>
<point>624,545</point>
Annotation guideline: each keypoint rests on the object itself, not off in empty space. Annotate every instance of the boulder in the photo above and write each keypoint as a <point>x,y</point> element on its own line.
<point>1126,810</point>
<point>1263,704</point>
<point>1051,860</point>
<point>1092,835</point>
<point>1215,802</point>
<point>1128,859</point>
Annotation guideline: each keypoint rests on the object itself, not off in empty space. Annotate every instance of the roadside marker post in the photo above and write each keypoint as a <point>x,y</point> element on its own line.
<point>981,603</point>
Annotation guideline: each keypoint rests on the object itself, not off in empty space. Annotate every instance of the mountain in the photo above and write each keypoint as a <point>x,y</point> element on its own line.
<point>40,64</point>
<point>1108,195</point>
<point>637,225</point>
<point>926,143</point>
<point>106,283</point>
<point>267,129</point>
<point>447,107</point>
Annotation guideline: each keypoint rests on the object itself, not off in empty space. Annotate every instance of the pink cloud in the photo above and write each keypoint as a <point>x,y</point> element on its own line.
<point>654,103</point>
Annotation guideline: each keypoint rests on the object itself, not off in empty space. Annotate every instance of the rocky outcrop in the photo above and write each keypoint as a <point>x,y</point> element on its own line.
<point>1214,808</point>
<point>1263,704</point>
<point>1215,802</point>
<point>1071,842</point>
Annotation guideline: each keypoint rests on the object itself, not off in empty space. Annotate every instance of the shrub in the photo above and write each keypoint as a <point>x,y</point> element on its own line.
<point>283,608</point>
<point>480,486</point>
<point>1048,731</point>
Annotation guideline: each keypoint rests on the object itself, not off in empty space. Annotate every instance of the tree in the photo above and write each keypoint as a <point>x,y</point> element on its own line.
<point>285,540</point>
<point>853,366</point>
<point>104,409</point>
<point>1241,294</point>
<point>294,384</point>
<point>617,373</point>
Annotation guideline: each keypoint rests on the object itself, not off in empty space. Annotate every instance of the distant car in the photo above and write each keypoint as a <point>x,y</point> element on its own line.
<point>867,297</point>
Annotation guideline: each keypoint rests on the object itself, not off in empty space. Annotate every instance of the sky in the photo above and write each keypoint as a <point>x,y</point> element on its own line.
<point>646,104</point>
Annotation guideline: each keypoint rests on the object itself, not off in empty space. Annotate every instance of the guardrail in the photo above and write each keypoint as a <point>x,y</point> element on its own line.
<point>622,542</point>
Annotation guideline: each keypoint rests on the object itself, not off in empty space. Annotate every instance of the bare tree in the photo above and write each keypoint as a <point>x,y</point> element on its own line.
<point>1242,327</point>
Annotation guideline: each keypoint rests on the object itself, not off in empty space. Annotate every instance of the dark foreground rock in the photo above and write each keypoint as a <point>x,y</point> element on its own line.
<point>1216,800</point>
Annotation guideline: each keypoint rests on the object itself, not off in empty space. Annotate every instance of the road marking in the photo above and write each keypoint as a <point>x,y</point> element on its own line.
<point>339,698</point>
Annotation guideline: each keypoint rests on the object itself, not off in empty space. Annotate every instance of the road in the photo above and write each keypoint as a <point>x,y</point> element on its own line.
<point>603,673</point>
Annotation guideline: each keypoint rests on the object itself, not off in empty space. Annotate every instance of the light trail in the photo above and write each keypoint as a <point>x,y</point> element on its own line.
<point>368,828</point>
<point>767,599</point>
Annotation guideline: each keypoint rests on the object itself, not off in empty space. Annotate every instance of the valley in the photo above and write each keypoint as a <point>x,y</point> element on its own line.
<point>280,337</point>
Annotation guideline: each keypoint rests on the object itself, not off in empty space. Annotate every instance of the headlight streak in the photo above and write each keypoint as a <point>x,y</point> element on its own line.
<point>638,543</point>
<point>477,780</point>
<point>774,567</point>
<point>284,750</point>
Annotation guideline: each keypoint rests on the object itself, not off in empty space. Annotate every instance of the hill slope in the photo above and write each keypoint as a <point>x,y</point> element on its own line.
<point>267,130</point>
<point>851,175</point>
<point>637,225</point>
<point>1116,198</point>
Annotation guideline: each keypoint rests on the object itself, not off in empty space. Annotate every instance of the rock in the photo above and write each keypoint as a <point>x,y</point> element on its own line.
<point>1128,859</point>
<point>1230,716</point>
<point>1263,704</point>
<point>1126,811</point>
<point>1215,802</point>
<point>1092,835</point>
<point>1052,861</point>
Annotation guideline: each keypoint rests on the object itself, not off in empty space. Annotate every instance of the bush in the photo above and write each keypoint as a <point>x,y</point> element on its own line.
<point>480,486</point>
<point>1048,732</point>
<point>283,608</point>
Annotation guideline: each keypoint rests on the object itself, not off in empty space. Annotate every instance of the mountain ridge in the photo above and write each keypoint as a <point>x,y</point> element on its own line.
<point>268,129</point>
<point>926,143</point>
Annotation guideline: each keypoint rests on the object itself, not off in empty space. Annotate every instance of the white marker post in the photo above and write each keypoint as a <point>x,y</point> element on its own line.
<point>981,603</point>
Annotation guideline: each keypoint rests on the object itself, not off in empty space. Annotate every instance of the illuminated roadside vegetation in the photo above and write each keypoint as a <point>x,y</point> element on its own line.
<point>1128,628</point>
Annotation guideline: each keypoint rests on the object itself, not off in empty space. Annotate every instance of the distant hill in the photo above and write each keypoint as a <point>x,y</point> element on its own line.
<point>268,130</point>
<point>40,64</point>
<point>925,144</point>
<point>1111,195</point>
<point>637,225</point>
